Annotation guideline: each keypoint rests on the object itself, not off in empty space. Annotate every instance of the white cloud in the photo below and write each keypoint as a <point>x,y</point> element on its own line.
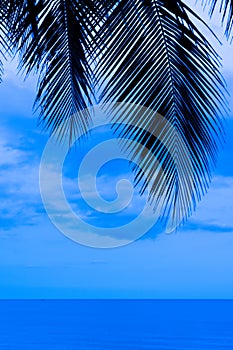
<point>216,207</point>
<point>10,156</point>
<point>20,196</point>
<point>17,78</point>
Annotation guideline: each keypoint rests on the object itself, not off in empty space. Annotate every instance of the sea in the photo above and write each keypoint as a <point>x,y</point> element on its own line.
<point>116,324</point>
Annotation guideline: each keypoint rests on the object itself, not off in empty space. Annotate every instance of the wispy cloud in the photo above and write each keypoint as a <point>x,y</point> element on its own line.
<point>214,213</point>
<point>20,198</point>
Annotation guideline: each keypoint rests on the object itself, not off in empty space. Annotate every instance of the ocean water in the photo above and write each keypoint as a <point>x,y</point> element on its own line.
<point>116,325</point>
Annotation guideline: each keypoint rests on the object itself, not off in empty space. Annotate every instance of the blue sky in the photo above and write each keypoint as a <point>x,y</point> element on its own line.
<point>36,260</point>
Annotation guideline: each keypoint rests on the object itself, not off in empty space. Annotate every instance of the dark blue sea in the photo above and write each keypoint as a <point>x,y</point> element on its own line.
<point>116,325</point>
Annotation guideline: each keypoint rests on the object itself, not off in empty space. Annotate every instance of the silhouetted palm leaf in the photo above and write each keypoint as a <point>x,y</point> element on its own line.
<point>140,52</point>
<point>226,8</point>
<point>156,57</point>
<point>55,38</point>
<point>3,32</point>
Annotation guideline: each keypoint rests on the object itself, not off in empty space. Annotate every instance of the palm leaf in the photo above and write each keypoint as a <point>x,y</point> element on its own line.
<point>155,57</point>
<point>4,27</point>
<point>226,8</point>
<point>144,53</point>
<point>55,38</point>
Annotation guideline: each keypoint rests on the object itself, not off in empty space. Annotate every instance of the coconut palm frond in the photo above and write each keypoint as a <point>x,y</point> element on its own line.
<point>226,9</point>
<point>4,27</point>
<point>55,38</point>
<point>2,42</point>
<point>146,54</point>
<point>155,57</point>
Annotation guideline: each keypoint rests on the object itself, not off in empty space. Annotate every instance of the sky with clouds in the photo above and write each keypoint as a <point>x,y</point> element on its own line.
<point>36,260</point>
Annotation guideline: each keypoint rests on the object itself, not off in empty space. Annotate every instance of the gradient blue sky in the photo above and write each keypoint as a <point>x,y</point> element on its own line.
<point>37,261</point>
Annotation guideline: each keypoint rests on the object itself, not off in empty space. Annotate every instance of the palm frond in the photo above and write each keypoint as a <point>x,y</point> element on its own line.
<point>226,9</point>
<point>155,57</point>
<point>142,53</point>
<point>4,27</point>
<point>55,38</point>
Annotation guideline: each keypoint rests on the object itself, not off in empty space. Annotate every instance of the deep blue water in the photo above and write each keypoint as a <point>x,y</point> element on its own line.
<point>116,325</point>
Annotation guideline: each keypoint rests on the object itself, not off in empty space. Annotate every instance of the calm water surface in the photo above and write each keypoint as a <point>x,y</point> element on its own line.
<point>116,325</point>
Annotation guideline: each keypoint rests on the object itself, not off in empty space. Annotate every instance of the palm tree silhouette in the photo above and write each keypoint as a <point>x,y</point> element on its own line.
<point>143,52</point>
